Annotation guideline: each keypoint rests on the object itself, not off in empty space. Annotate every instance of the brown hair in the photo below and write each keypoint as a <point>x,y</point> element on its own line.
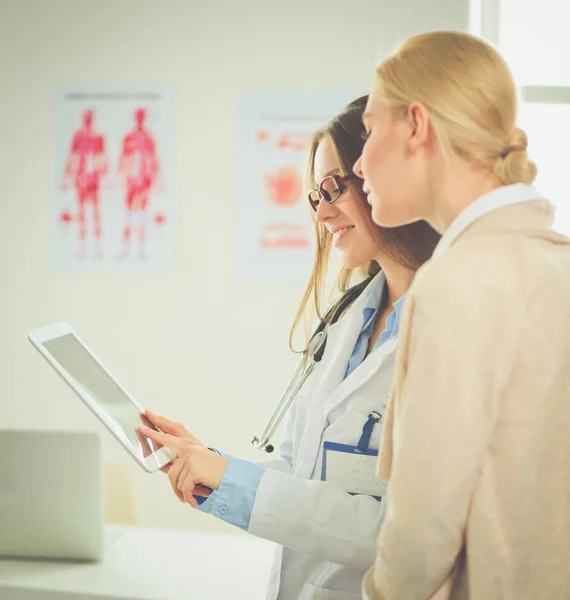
<point>411,245</point>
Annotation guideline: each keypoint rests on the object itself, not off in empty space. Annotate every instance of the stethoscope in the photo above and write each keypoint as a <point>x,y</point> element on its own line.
<point>315,351</point>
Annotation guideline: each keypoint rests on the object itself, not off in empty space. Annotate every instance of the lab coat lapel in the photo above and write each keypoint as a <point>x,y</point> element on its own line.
<point>341,339</point>
<point>360,376</point>
<point>340,343</point>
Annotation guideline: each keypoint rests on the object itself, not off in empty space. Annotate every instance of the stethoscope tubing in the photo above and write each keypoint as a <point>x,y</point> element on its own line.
<point>315,352</point>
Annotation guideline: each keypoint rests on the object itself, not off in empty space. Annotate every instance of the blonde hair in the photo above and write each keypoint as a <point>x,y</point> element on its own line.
<point>470,95</point>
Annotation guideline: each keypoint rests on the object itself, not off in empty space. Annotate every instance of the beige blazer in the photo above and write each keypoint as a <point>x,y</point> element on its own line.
<point>476,443</point>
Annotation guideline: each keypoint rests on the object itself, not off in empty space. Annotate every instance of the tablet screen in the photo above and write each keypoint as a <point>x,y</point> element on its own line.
<point>123,416</point>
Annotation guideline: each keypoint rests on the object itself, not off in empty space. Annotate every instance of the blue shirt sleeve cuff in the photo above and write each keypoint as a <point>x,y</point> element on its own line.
<point>233,501</point>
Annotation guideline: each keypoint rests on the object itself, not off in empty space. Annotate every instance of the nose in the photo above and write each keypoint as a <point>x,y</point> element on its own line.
<point>325,211</point>
<point>357,169</point>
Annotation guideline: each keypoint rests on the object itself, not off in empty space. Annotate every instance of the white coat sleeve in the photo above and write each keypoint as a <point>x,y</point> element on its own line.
<point>317,518</point>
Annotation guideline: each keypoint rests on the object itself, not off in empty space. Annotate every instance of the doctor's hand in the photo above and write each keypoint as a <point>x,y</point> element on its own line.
<point>196,467</point>
<point>169,426</point>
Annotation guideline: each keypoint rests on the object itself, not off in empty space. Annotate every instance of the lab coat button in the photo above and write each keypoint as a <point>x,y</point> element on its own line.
<point>223,509</point>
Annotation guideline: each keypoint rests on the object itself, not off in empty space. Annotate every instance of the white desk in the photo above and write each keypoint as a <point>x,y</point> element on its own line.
<point>149,564</point>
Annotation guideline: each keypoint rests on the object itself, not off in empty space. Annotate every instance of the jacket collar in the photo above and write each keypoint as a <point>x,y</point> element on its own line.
<point>484,206</point>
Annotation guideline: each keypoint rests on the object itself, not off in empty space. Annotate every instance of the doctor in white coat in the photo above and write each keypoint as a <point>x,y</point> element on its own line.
<point>320,499</point>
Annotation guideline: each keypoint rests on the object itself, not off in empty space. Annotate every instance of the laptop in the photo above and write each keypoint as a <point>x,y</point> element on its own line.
<point>51,495</point>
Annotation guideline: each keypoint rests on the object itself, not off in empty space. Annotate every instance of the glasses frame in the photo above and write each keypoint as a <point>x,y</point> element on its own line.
<point>341,183</point>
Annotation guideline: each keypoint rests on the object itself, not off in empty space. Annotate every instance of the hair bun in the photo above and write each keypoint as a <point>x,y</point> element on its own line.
<point>513,164</point>
<point>517,142</point>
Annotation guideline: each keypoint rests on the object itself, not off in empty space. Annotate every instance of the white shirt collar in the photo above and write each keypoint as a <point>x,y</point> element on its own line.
<point>497,198</point>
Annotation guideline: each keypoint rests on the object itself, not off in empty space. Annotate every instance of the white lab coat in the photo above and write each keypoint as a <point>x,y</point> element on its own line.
<point>327,537</point>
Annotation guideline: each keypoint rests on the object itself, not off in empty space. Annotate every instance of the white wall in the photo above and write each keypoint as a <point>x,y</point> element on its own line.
<point>198,345</point>
<point>543,64</point>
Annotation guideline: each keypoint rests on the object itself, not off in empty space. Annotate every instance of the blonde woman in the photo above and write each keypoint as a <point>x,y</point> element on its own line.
<point>476,446</point>
<point>317,509</point>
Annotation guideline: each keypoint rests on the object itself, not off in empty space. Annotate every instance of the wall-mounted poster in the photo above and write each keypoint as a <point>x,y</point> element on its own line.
<point>275,236</point>
<point>113,197</point>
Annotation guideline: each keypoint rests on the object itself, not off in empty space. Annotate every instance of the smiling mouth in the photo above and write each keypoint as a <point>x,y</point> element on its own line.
<point>340,234</point>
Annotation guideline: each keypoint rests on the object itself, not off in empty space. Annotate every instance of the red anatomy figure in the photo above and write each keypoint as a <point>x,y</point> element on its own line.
<point>139,167</point>
<point>86,164</point>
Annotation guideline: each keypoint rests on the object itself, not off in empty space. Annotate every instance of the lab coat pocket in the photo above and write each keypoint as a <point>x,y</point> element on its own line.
<point>312,592</point>
<point>348,427</point>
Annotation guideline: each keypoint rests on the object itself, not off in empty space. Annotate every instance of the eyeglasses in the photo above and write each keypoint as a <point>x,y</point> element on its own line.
<point>330,189</point>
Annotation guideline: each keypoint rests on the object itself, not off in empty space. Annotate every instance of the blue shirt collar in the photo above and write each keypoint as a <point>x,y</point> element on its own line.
<point>373,302</point>
<point>374,298</point>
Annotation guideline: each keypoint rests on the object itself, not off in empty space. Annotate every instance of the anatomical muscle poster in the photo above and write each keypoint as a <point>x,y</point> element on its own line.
<point>113,180</point>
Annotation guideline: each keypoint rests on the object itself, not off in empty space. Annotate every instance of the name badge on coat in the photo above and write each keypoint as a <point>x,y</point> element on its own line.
<point>353,468</point>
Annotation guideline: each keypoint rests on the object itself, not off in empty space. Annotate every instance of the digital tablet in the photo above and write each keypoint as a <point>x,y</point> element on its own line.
<point>102,393</point>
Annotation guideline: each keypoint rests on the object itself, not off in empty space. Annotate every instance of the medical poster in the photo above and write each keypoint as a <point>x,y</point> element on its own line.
<point>113,177</point>
<point>275,230</point>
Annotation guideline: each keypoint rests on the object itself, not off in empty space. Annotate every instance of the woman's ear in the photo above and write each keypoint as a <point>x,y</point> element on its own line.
<point>419,122</point>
